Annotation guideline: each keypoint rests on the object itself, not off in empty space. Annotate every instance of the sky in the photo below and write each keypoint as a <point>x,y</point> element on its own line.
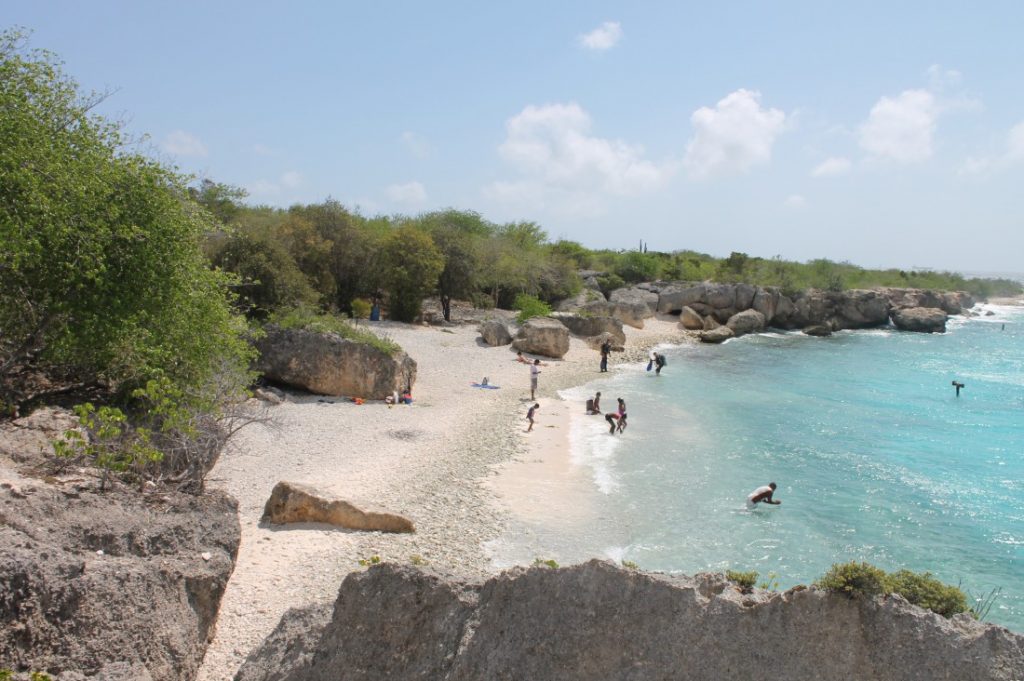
<point>880,133</point>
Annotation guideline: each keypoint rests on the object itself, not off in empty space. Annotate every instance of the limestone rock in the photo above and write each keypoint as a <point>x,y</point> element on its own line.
<point>595,342</point>
<point>269,394</point>
<point>710,323</point>
<point>327,364</point>
<point>495,332</point>
<point>580,301</point>
<point>290,646</point>
<point>543,336</point>
<point>765,301</point>
<point>112,585</point>
<point>718,335</point>
<point>820,330</point>
<point>29,439</point>
<point>291,502</point>
<point>689,319</point>
<point>672,299</point>
<point>636,296</point>
<point>589,327</point>
<point>927,319</point>
<point>748,321</point>
<point>596,622</point>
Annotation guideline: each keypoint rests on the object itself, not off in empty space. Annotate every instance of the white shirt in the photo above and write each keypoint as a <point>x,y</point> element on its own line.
<point>534,370</point>
<point>760,490</point>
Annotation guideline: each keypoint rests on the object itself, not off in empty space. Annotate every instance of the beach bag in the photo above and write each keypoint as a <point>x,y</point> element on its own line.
<point>650,364</point>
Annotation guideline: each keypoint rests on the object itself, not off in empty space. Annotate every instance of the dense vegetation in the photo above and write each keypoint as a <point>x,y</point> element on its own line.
<point>103,280</point>
<point>920,588</point>
<point>330,256</point>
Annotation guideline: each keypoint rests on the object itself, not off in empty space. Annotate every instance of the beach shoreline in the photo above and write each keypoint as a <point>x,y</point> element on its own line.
<point>435,462</point>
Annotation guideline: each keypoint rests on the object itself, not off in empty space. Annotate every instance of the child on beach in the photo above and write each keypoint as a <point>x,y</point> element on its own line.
<point>530,414</point>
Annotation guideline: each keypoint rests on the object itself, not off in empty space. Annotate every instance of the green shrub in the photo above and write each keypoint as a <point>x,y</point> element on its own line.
<point>529,307</point>
<point>630,565</point>
<point>853,579</point>
<point>361,308</point>
<point>744,580</point>
<point>540,562</point>
<point>305,318</point>
<point>610,282</point>
<point>921,589</point>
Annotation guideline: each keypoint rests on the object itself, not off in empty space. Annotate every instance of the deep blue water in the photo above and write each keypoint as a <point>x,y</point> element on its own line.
<point>875,457</point>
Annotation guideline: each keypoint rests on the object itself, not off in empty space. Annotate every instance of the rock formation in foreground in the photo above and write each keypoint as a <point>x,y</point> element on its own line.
<point>595,621</point>
<point>87,579</point>
<point>291,502</point>
<point>327,364</point>
<point>119,586</point>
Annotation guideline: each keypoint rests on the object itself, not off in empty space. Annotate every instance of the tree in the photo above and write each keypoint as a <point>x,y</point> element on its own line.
<point>269,279</point>
<point>410,265</point>
<point>101,272</point>
<point>456,235</point>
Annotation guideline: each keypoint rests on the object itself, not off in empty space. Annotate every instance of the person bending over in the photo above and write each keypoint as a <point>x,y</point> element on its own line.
<point>762,495</point>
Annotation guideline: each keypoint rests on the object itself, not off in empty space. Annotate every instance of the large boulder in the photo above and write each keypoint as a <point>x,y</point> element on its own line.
<point>689,319</point>
<point>289,646</point>
<point>586,326</point>
<point>585,298</point>
<point>860,309</point>
<point>636,296</point>
<point>96,582</point>
<point>327,364</point>
<point>291,502</point>
<point>926,319</point>
<point>717,335</point>
<point>765,301</point>
<point>748,321</point>
<point>543,336</point>
<point>672,299</point>
<point>597,622</point>
<point>495,332</point>
<point>820,330</point>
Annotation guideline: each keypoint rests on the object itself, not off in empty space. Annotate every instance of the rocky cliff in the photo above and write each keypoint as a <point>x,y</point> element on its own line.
<point>121,585</point>
<point>596,621</point>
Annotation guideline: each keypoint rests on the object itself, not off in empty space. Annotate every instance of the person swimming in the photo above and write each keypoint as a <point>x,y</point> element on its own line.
<point>762,495</point>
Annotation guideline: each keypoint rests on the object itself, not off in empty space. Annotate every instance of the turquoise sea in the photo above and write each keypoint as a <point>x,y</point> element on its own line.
<point>875,457</point>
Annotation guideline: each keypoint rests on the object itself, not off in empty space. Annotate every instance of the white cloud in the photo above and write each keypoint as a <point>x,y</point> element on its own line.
<point>410,192</point>
<point>264,187</point>
<point>832,167</point>
<point>181,143</point>
<point>795,201</point>
<point>940,79</point>
<point>604,37</point>
<point>1013,153</point>
<point>291,179</point>
<point>562,164</point>
<point>415,144</point>
<point>901,128</point>
<point>734,136</point>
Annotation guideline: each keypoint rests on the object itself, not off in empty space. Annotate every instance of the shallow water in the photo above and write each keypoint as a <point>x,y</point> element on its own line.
<point>875,457</point>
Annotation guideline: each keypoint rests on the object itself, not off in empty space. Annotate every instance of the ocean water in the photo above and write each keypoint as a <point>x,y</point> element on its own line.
<point>875,458</point>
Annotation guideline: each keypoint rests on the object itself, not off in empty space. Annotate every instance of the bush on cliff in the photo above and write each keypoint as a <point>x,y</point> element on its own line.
<point>310,320</point>
<point>102,278</point>
<point>919,588</point>
<point>530,307</point>
<point>744,580</point>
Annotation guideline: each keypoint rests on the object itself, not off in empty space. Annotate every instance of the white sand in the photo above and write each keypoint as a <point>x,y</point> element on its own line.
<point>428,462</point>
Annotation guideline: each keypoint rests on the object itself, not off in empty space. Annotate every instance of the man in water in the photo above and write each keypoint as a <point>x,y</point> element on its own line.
<point>762,495</point>
<point>659,362</point>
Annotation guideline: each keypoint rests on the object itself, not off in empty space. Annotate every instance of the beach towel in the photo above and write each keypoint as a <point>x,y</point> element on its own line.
<point>485,387</point>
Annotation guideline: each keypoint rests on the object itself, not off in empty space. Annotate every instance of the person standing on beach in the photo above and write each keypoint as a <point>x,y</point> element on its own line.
<point>534,373</point>
<point>530,415</point>
<point>606,349</point>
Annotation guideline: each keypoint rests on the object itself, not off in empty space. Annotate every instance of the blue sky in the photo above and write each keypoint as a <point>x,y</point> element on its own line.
<point>886,134</point>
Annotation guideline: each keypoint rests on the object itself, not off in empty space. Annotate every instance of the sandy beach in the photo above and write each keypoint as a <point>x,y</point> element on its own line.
<point>457,463</point>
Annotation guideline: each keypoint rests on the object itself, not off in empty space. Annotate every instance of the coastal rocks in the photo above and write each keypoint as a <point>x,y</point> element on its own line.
<point>581,300</point>
<point>290,502</point>
<point>289,647</point>
<point>636,296</point>
<point>672,299</point>
<point>269,394</point>
<point>860,309</point>
<point>926,319</point>
<point>327,364</point>
<point>748,321</point>
<point>597,622</point>
<point>29,440</point>
<point>589,327</point>
<point>717,335</point>
<point>820,330</point>
<point>91,579</point>
<point>495,332</point>
<point>690,319</point>
<point>543,336</point>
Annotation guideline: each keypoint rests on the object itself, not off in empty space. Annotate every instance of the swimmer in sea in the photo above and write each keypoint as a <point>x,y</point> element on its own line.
<point>762,495</point>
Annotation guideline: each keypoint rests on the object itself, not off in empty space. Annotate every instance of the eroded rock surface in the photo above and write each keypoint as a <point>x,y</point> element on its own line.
<point>543,336</point>
<point>291,502</point>
<point>590,327</point>
<point>89,579</point>
<point>495,332</point>
<point>927,319</point>
<point>597,622</point>
<point>327,364</point>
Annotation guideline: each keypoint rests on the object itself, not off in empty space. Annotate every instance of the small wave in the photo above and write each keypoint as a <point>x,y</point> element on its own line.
<point>591,446</point>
